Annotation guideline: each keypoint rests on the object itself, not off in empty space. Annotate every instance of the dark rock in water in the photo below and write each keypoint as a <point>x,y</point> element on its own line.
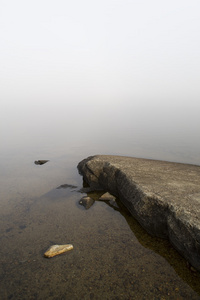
<point>87,202</point>
<point>110,200</point>
<point>86,190</point>
<point>163,196</point>
<point>65,186</point>
<point>41,162</point>
<point>107,197</point>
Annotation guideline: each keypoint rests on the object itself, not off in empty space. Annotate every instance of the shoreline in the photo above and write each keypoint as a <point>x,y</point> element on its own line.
<point>164,197</point>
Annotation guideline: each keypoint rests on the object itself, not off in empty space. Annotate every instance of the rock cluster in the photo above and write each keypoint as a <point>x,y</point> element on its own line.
<point>87,201</point>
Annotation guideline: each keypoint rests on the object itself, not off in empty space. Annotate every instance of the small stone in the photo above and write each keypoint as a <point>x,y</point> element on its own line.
<point>65,186</point>
<point>107,197</point>
<point>41,162</point>
<point>57,249</point>
<point>87,202</point>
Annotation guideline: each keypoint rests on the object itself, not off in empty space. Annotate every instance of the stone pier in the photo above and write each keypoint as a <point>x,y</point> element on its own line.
<point>163,196</point>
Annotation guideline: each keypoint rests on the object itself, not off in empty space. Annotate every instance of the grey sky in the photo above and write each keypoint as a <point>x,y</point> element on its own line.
<point>100,48</point>
<point>134,57</point>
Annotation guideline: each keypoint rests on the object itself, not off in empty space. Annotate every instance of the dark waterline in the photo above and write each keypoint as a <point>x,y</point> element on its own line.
<point>113,257</point>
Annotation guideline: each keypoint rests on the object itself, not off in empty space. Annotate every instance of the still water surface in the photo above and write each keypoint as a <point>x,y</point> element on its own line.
<point>113,257</point>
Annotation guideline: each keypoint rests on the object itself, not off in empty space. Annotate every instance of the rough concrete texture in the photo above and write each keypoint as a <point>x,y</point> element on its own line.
<point>163,196</point>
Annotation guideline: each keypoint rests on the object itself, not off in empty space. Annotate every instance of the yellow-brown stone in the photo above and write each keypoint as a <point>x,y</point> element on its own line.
<point>57,249</point>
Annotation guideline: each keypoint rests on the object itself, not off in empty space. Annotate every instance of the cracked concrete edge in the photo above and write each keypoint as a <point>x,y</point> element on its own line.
<point>158,217</point>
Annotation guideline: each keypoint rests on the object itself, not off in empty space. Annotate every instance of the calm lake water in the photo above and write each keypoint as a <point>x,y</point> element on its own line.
<point>113,257</point>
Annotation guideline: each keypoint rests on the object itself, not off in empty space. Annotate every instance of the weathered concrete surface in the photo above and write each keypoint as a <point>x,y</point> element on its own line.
<point>163,196</point>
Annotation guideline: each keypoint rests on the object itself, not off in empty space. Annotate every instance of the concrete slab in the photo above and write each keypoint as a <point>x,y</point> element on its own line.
<point>163,196</point>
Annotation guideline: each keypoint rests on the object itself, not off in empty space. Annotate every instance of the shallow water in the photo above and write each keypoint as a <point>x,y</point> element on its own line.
<point>113,257</point>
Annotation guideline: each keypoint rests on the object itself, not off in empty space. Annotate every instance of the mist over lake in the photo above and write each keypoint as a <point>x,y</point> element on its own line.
<point>110,77</point>
<point>158,131</point>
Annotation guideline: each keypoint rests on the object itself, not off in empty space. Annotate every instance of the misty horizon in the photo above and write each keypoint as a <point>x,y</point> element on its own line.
<point>121,75</point>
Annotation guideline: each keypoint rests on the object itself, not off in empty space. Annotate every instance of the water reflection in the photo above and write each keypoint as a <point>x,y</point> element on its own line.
<point>113,257</point>
<point>158,245</point>
<point>163,248</point>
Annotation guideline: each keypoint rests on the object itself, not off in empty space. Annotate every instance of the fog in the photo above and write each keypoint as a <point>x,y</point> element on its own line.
<point>118,77</point>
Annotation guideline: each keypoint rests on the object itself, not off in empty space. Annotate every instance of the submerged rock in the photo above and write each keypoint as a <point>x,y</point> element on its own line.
<point>65,186</point>
<point>107,197</point>
<point>86,190</point>
<point>87,202</point>
<point>57,249</point>
<point>41,162</point>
